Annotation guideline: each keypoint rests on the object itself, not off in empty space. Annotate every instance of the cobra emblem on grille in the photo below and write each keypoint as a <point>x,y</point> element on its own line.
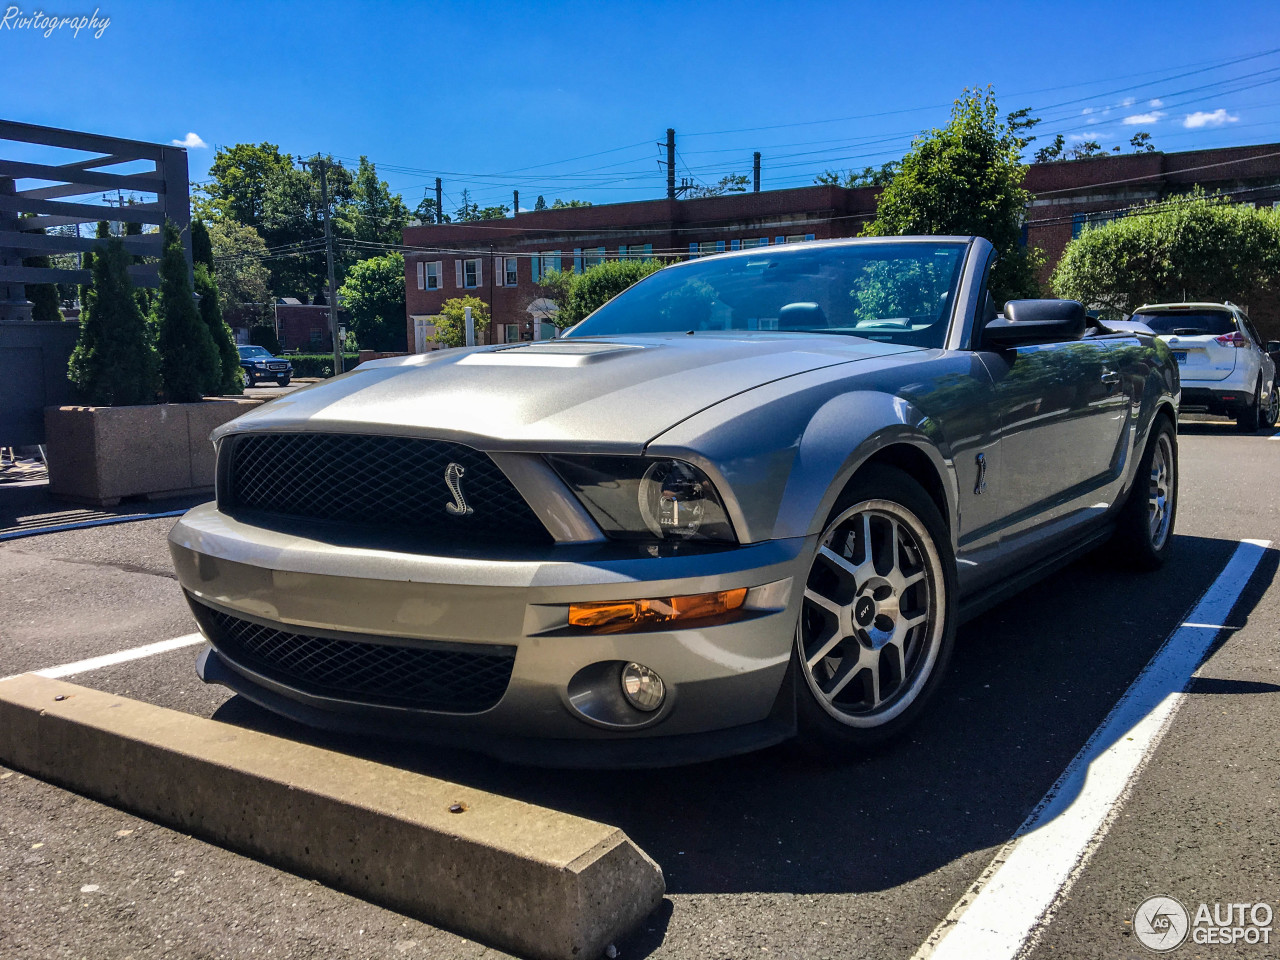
<point>453,479</point>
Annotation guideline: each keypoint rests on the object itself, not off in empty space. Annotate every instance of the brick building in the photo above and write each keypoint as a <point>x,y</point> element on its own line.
<point>500,261</point>
<point>304,326</point>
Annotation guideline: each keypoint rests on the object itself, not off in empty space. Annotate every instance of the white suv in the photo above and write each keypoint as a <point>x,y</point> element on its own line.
<point>1223,363</point>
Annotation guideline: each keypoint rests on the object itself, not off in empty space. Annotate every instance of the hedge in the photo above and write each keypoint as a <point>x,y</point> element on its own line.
<point>318,364</point>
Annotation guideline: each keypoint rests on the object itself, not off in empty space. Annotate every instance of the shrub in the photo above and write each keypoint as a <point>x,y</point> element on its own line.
<point>264,335</point>
<point>319,364</point>
<point>579,295</point>
<point>374,294</point>
<point>451,323</point>
<point>189,363</point>
<point>231,376</point>
<point>114,363</point>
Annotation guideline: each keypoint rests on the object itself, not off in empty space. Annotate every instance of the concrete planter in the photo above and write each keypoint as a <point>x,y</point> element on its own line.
<point>99,455</point>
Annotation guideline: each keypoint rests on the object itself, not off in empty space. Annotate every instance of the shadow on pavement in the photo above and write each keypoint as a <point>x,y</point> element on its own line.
<point>1030,682</point>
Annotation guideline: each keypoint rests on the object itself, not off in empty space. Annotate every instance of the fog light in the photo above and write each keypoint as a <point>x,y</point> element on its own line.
<point>642,687</point>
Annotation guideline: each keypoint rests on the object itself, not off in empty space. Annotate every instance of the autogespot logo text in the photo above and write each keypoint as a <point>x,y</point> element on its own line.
<point>1163,923</point>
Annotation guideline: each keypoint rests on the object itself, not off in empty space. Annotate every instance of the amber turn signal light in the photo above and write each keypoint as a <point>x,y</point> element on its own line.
<point>620,615</point>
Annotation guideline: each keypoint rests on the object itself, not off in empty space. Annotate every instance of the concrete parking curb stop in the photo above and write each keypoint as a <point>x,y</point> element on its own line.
<point>522,878</point>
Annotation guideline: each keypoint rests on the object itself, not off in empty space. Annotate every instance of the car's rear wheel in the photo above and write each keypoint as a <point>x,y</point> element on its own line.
<point>1249,417</point>
<point>877,623</point>
<point>1271,411</point>
<point>1144,528</point>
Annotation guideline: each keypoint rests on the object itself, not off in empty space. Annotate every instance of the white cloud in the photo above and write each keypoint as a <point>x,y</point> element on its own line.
<point>1202,119</point>
<point>191,141</point>
<point>1086,111</point>
<point>1157,102</point>
<point>1137,118</point>
<point>1128,102</point>
<point>1092,135</point>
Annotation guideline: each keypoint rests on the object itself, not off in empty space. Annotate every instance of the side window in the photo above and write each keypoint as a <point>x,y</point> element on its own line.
<point>1249,329</point>
<point>513,278</point>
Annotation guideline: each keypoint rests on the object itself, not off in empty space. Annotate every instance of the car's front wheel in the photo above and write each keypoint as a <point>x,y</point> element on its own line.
<point>282,381</point>
<point>877,623</point>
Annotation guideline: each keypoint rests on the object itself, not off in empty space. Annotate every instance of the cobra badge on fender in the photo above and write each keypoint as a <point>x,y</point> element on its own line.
<point>453,479</point>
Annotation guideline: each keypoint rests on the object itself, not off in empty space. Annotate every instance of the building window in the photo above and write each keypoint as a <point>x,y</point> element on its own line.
<point>755,242</point>
<point>592,256</point>
<point>636,251</point>
<point>513,275</point>
<point>550,260</point>
<point>470,274</point>
<point>1079,221</point>
<point>799,237</point>
<point>709,247</point>
<point>432,272</point>
<point>316,335</point>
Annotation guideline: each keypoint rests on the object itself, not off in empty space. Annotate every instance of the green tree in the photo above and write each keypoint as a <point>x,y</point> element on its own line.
<point>201,244</point>
<point>374,295</point>
<point>467,209</point>
<point>1141,142</point>
<point>493,213</point>
<point>1052,152</point>
<point>540,204</point>
<point>243,280</point>
<point>240,178</point>
<point>567,204</point>
<point>580,294</point>
<point>967,179</point>
<point>113,363</point>
<point>189,362</point>
<point>451,323</point>
<point>231,376</point>
<point>376,215</point>
<point>729,183</point>
<point>1193,247</point>
<point>1086,149</point>
<point>866,177</point>
<point>103,231</point>
<point>45,303</point>
<point>427,210</point>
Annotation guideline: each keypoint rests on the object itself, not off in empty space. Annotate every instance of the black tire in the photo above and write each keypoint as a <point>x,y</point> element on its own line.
<point>282,381</point>
<point>915,666</point>
<point>1249,417</point>
<point>1271,412</point>
<point>1137,540</point>
<point>250,380</point>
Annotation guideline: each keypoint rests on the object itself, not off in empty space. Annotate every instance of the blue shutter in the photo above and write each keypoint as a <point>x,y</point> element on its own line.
<point>648,251</point>
<point>537,267</point>
<point>719,246</point>
<point>779,239</point>
<point>693,249</point>
<point>577,259</point>
<point>809,236</point>
<point>735,244</point>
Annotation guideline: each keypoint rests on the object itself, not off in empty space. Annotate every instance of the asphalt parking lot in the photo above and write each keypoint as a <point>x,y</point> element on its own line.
<point>774,854</point>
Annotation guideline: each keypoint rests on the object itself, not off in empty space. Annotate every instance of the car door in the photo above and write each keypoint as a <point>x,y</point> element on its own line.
<point>1062,410</point>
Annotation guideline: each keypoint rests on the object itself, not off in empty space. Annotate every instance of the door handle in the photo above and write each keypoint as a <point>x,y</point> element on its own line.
<point>1111,378</point>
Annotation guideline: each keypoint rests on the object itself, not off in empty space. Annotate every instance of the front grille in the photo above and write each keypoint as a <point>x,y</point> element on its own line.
<point>398,483</point>
<point>434,677</point>
<point>277,366</point>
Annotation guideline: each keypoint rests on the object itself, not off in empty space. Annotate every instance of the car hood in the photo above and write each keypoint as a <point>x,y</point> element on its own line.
<point>605,394</point>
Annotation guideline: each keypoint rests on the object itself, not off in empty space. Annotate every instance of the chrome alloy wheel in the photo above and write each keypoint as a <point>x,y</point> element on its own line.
<point>1160,490</point>
<point>1273,406</point>
<point>871,623</point>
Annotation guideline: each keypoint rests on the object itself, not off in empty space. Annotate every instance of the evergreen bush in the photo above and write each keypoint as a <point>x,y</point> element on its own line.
<point>232,376</point>
<point>189,362</point>
<point>113,364</point>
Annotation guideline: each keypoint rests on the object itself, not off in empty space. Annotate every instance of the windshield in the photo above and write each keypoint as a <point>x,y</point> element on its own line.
<point>1211,323</point>
<point>248,353</point>
<point>892,291</point>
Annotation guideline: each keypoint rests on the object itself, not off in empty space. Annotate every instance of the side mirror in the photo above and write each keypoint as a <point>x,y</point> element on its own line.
<point>1027,322</point>
<point>1273,346</point>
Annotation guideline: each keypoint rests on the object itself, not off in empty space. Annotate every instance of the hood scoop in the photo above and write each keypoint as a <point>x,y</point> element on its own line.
<point>550,353</point>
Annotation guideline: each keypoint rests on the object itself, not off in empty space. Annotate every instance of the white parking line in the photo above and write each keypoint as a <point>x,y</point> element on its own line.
<point>1019,891</point>
<point>1275,436</point>
<point>110,659</point>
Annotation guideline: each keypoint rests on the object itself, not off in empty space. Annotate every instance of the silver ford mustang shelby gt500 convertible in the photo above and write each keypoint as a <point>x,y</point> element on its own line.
<point>751,497</point>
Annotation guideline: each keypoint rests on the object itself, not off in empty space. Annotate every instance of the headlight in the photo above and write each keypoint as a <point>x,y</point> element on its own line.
<point>640,498</point>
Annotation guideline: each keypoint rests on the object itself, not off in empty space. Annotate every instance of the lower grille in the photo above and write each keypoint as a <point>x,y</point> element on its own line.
<point>423,678</point>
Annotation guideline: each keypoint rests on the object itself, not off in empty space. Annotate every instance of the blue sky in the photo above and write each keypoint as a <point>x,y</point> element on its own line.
<point>495,96</point>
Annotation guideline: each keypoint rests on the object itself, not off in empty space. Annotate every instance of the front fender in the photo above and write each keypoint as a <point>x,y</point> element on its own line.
<point>781,454</point>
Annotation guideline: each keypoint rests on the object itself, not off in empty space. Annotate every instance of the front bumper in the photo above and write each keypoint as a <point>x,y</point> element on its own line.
<point>726,683</point>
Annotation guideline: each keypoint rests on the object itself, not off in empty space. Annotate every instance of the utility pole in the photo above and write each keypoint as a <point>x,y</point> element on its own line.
<point>755,172</point>
<point>439,202</point>
<point>332,295</point>
<point>671,164</point>
<point>515,202</point>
